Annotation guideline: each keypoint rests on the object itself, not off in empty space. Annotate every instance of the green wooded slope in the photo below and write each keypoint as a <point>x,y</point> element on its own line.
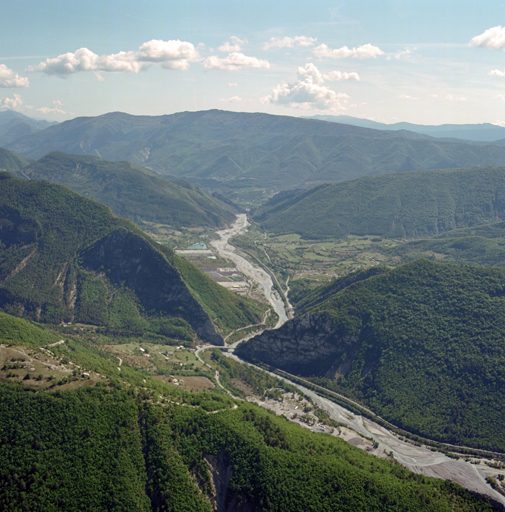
<point>67,258</point>
<point>421,345</point>
<point>410,204</point>
<point>103,450</point>
<point>132,191</point>
<point>10,161</point>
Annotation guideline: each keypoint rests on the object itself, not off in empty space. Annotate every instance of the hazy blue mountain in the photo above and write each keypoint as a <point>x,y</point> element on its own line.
<point>14,125</point>
<point>239,154</point>
<point>484,132</point>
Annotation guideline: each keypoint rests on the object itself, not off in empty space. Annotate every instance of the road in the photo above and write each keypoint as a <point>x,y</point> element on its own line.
<point>257,274</point>
<point>415,458</point>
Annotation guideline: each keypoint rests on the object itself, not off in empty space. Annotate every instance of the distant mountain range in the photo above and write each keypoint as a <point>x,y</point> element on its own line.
<point>247,156</point>
<point>14,125</point>
<point>130,190</point>
<point>484,132</point>
<point>408,204</point>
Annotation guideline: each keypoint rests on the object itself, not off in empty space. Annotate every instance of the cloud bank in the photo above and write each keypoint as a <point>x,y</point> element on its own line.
<point>173,54</point>
<point>9,78</point>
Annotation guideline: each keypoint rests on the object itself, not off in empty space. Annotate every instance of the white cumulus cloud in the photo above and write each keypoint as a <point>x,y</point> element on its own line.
<point>366,51</point>
<point>234,62</point>
<point>233,99</point>
<point>493,38</point>
<point>172,54</point>
<point>289,42</point>
<point>55,109</point>
<point>9,78</point>
<point>497,72</point>
<point>335,76</point>
<point>234,46</point>
<point>406,97</point>
<point>14,103</point>
<point>307,92</point>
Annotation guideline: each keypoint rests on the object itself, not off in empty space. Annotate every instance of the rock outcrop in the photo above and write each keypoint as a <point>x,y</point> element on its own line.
<point>308,345</point>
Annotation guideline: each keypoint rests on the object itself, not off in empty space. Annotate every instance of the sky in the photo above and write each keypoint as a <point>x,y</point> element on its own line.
<point>425,62</point>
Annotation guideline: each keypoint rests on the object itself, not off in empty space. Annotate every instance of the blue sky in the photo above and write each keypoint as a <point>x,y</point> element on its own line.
<point>427,62</point>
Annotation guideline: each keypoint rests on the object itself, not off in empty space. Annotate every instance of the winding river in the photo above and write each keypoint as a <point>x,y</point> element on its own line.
<point>255,273</point>
<point>415,458</point>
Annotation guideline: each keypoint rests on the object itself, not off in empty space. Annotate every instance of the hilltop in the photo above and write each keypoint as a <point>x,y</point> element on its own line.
<point>421,345</point>
<point>132,191</point>
<point>410,204</point>
<point>66,258</point>
<point>12,162</point>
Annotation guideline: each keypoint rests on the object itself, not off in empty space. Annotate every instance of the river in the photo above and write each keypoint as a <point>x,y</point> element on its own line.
<point>415,458</point>
<point>255,273</point>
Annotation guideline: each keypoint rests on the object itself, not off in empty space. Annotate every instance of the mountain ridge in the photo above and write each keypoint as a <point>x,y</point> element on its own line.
<point>248,155</point>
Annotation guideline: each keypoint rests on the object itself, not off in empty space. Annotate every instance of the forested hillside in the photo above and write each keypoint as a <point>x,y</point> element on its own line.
<point>132,191</point>
<point>67,258</point>
<point>421,345</point>
<point>410,204</point>
<point>133,443</point>
<point>248,155</point>
<point>10,161</point>
<point>481,245</point>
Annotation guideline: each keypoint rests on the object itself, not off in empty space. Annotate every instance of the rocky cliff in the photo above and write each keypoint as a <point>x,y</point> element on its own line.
<point>307,345</point>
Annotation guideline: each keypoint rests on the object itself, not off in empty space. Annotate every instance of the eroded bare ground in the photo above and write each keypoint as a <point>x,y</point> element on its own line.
<point>378,441</point>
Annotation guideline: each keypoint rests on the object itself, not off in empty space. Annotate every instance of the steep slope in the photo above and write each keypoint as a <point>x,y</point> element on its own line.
<point>67,258</point>
<point>241,153</point>
<point>10,161</point>
<point>411,204</point>
<point>131,191</point>
<point>102,450</point>
<point>421,345</point>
